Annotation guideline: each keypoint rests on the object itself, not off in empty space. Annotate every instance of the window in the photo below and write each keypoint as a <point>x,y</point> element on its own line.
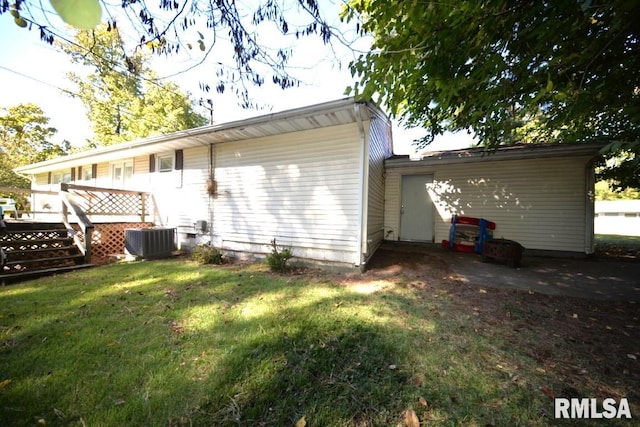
<point>61,177</point>
<point>165,163</point>
<point>121,174</point>
<point>87,173</point>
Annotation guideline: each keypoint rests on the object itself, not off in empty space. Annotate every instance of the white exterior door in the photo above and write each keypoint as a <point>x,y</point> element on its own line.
<point>121,174</point>
<point>416,210</point>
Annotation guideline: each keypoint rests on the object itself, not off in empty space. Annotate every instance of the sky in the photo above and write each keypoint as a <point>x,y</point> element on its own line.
<point>33,71</point>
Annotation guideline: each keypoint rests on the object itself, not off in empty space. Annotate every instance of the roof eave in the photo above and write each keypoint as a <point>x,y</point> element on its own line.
<point>506,153</point>
<point>187,138</point>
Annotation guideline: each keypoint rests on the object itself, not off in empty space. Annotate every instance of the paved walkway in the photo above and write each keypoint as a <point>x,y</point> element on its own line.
<point>582,277</point>
<point>591,278</point>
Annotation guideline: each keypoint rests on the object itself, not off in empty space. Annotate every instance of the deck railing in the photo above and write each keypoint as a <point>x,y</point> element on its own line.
<point>98,204</point>
<point>109,202</point>
<point>79,207</point>
<point>82,239</point>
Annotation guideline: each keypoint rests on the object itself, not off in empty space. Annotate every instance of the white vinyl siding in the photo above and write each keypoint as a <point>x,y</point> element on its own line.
<point>301,188</point>
<point>40,181</point>
<point>194,205</point>
<point>379,150</point>
<point>537,202</point>
<point>392,188</point>
<point>103,178</point>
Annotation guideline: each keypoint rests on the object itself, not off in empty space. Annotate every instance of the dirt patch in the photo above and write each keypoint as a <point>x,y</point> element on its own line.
<point>592,344</point>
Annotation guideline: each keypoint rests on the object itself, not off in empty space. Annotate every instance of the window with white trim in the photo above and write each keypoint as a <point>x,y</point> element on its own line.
<point>61,177</point>
<point>87,173</point>
<point>165,162</point>
<point>121,173</point>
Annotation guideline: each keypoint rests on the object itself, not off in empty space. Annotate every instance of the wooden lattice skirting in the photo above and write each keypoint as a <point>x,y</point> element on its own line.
<point>108,240</point>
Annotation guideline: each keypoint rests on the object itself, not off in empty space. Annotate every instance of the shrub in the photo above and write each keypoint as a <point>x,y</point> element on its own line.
<point>206,254</point>
<point>277,259</point>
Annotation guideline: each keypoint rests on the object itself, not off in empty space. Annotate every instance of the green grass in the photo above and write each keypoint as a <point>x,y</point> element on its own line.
<point>613,245</point>
<point>175,343</point>
<point>614,239</point>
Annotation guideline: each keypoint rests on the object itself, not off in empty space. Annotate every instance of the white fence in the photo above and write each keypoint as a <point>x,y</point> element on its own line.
<point>617,217</point>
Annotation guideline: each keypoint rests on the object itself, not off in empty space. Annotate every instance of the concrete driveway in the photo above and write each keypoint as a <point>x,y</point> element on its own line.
<point>578,277</point>
<point>592,278</point>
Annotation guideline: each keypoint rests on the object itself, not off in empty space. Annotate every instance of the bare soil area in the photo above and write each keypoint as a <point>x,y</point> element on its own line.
<point>591,343</point>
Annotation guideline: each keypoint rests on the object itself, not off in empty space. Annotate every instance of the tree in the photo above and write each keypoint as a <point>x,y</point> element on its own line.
<point>122,98</point>
<point>508,71</point>
<point>25,137</point>
<point>604,191</point>
<point>220,29</point>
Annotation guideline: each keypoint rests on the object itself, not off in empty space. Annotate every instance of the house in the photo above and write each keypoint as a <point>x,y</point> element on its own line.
<point>538,195</point>
<point>311,178</point>
<point>620,217</point>
<point>323,181</point>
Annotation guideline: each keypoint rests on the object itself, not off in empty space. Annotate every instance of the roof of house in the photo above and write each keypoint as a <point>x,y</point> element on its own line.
<point>511,152</point>
<point>617,206</point>
<point>331,113</point>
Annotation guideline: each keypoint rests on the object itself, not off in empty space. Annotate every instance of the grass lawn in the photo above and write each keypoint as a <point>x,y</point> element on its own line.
<point>173,343</point>
<point>612,245</point>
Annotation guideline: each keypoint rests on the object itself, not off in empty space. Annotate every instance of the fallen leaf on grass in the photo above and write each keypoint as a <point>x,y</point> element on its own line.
<point>411,419</point>
<point>548,392</point>
<point>422,401</point>
<point>119,402</point>
<point>632,356</point>
<point>4,383</point>
<point>177,328</point>
<point>302,422</point>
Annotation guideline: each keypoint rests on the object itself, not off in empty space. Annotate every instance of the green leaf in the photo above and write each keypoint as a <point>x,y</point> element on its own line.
<point>84,14</point>
<point>612,147</point>
<point>20,22</point>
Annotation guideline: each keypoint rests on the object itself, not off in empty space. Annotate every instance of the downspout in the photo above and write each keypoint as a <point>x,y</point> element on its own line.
<point>364,193</point>
<point>212,177</point>
<point>589,200</point>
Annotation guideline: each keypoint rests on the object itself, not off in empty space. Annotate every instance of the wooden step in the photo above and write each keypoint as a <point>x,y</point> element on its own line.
<point>23,251</point>
<point>74,257</point>
<point>28,226</point>
<point>37,249</point>
<point>12,277</point>
<point>35,245</point>
<point>10,235</point>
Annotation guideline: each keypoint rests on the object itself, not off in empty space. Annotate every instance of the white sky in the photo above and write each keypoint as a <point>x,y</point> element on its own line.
<point>33,71</point>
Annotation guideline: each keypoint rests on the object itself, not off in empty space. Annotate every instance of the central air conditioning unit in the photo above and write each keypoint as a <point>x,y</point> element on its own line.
<point>149,243</point>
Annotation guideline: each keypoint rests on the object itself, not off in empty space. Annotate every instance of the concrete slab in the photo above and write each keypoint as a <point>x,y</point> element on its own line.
<point>592,278</point>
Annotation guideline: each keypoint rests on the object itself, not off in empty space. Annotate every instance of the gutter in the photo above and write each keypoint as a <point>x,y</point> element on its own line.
<point>520,152</point>
<point>79,158</point>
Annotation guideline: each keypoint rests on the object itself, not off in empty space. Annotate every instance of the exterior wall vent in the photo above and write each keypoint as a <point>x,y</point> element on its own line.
<point>149,243</point>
